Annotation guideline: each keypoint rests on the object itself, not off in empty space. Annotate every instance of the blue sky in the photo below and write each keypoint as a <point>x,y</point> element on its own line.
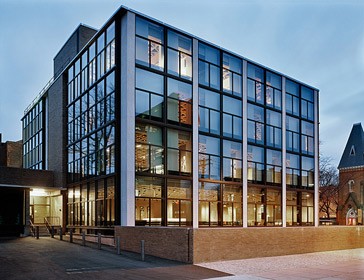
<point>318,42</point>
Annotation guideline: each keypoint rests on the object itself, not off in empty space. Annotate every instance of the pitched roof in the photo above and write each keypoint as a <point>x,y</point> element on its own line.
<point>353,155</point>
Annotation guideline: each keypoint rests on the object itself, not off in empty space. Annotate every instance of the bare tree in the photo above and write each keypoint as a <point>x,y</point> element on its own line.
<point>329,187</point>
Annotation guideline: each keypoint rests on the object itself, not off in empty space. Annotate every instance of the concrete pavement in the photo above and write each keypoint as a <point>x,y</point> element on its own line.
<point>333,265</point>
<point>47,258</point>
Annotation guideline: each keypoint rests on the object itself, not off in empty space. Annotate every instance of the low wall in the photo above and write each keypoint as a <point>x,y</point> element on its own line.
<point>215,244</point>
<point>168,243</point>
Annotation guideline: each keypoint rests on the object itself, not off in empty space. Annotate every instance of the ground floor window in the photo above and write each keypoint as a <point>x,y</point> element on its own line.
<point>264,206</point>
<point>92,203</point>
<point>300,208</point>
<point>163,201</point>
<point>220,204</point>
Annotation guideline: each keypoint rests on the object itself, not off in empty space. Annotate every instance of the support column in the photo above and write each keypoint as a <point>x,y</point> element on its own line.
<point>127,130</point>
<point>284,152</point>
<point>316,182</point>
<point>195,134</point>
<point>245,143</point>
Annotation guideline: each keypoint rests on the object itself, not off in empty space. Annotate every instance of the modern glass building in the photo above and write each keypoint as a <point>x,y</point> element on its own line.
<point>147,125</point>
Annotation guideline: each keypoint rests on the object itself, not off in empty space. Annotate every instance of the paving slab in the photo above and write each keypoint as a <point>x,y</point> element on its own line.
<point>342,264</point>
<point>47,258</point>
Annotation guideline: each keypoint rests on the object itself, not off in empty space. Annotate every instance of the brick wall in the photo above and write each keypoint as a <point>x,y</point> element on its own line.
<point>229,244</point>
<point>357,175</point>
<point>56,131</point>
<point>215,244</point>
<point>168,243</point>
<point>70,49</point>
<point>11,154</point>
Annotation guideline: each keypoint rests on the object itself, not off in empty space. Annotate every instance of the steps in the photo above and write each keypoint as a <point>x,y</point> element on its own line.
<point>42,229</point>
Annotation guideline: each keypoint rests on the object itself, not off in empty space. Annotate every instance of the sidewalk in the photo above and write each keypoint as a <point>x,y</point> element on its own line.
<point>47,258</point>
<point>344,264</point>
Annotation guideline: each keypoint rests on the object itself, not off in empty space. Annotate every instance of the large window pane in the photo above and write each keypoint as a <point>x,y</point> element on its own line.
<point>149,81</point>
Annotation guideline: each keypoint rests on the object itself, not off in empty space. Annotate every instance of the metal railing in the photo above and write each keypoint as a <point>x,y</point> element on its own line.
<point>40,94</point>
<point>32,228</point>
<point>52,224</point>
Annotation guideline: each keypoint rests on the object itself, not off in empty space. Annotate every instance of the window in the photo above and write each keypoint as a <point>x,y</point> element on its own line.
<point>255,164</point>
<point>179,203</point>
<point>149,44</point>
<point>292,169</point>
<point>273,129</point>
<point>273,166</point>
<point>149,151</point>
<point>255,124</point>
<point>209,111</point>
<point>307,102</point>
<point>232,122</point>
<point>232,155</point>
<point>255,84</point>
<point>209,204</point>
<point>179,55</point>
<point>149,95</point>
<point>149,81</point>
<point>231,76</point>
<point>209,157</point>
<point>292,134</point>
<point>307,140</point>
<point>179,103</point>
<point>148,201</point>
<point>179,156</point>
<point>292,98</point>
<point>273,93</point>
<point>307,173</point>
<point>209,66</point>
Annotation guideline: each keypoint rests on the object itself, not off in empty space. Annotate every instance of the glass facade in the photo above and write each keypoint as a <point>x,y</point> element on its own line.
<point>91,134</point>
<point>163,135</point>
<point>163,129</point>
<point>33,137</point>
<point>247,119</point>
<point>220,137</point>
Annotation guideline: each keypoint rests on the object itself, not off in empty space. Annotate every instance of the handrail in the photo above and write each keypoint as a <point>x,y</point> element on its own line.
<point>32,228</point>
<point>40,94</point>
<point>47,224</point>
<point>53,220</point>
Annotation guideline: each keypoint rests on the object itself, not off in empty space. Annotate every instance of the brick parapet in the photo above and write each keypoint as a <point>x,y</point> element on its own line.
<point>216,244</point>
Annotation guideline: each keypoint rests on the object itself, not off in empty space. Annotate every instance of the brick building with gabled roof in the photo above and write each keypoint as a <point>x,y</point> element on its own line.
<point>351,179</point>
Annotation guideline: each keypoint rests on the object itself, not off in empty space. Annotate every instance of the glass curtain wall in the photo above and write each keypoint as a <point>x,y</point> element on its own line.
<point>264,94</point>
<point>91,134</point>
<point>220,138</point>
<point>33,133</point>
<point>300,154</point>
<point>163,130</point>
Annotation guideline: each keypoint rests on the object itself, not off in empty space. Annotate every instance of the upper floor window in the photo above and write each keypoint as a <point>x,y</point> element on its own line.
<point>232,81</point>
<point>273,129</point>
<point>255,84</point>
<point>179,102</point>
<point>209,111</point>
<point>179,55</point>
<point>149,44</point>
<point>232,122</point>
<point>273,93</point>
<point>255,124</point>
<point>307,102</point>
<point>209,157</point>
<point>292,98</point>
<point>209,66</point>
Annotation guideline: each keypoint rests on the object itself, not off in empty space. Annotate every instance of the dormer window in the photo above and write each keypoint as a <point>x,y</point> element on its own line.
<point>352,151</point>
